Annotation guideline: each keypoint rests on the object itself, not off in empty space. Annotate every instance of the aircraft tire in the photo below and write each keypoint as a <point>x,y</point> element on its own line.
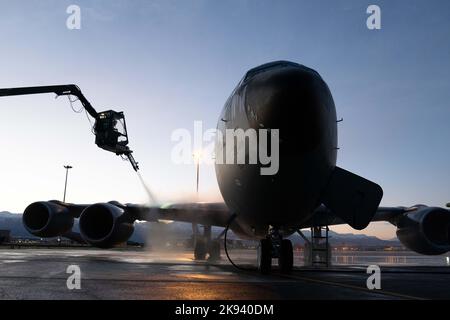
<point>265,256</point>
<point>200,249</point>
<point>214,250</point>
<point>286,258</point>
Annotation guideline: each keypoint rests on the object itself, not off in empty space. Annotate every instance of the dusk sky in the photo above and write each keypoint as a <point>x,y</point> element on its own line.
<point>169,63</point>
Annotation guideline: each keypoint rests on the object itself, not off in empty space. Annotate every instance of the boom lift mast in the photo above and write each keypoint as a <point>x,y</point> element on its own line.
<point>110,128</point>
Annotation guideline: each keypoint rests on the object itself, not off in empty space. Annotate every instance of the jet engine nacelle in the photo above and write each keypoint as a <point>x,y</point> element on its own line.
<point>47,219</point>
<point>425,230</point>
<point>105,225</point>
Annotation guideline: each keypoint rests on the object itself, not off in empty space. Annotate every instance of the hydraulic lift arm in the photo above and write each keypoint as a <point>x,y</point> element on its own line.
<point>109,128</point>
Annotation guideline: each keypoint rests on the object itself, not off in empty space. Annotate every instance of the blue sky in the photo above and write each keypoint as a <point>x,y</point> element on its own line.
<point>169,63</point>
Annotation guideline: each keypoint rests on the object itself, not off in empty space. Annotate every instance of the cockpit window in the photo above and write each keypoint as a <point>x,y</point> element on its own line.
<point>251,73</point>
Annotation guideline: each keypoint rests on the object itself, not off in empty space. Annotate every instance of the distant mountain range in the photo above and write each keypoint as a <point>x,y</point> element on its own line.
<point>13,222</point>
<point>164,232</point>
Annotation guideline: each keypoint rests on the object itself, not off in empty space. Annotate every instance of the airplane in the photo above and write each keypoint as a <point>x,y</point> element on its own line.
<point>308,190</point>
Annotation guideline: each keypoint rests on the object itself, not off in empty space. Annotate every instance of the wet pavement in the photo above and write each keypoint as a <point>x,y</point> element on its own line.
<point>138,274</point>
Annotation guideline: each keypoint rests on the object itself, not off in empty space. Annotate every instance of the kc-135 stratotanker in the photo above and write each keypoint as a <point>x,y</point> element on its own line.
<point>308,190</point>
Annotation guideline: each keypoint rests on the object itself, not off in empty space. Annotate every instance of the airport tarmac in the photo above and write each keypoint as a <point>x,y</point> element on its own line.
<point>139,274</point>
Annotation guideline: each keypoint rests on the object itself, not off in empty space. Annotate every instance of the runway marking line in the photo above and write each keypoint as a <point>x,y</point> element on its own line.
<point>350,286</point>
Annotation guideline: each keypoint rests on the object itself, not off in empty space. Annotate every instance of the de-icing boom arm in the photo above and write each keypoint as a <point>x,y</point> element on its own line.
<point>110,127</point>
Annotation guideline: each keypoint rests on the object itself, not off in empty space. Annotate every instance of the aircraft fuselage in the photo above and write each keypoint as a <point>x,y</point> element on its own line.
<point>294,99</point>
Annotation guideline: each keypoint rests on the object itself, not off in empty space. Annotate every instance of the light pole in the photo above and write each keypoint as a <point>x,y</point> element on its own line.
<point>67,167</point>
<point>197,156</point>
<point>198,169</point>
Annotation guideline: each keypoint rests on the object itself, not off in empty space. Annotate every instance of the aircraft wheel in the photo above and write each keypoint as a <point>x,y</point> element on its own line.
<point>214,250</point>
<point>265,256</point>
<point>200,249</point>
<point>286,259</point>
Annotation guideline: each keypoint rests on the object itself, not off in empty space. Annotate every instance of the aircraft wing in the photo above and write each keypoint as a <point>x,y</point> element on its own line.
<point>214,214</point>
<point>421,228</point>
<point>218,214</point>
<point>107,224</point>
<point>325,217</point>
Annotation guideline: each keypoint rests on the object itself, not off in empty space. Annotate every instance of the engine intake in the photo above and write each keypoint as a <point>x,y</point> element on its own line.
<point>425,230</point>
<point>47,219</point>
<point>105,225</point>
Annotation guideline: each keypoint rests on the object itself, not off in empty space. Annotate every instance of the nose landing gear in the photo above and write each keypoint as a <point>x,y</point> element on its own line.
<point>274,246</point>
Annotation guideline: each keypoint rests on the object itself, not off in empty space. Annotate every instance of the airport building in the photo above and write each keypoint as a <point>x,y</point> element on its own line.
<point>5,236</point>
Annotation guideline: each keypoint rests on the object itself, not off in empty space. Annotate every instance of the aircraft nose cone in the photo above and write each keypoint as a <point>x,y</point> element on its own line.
<point>292,99</point>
